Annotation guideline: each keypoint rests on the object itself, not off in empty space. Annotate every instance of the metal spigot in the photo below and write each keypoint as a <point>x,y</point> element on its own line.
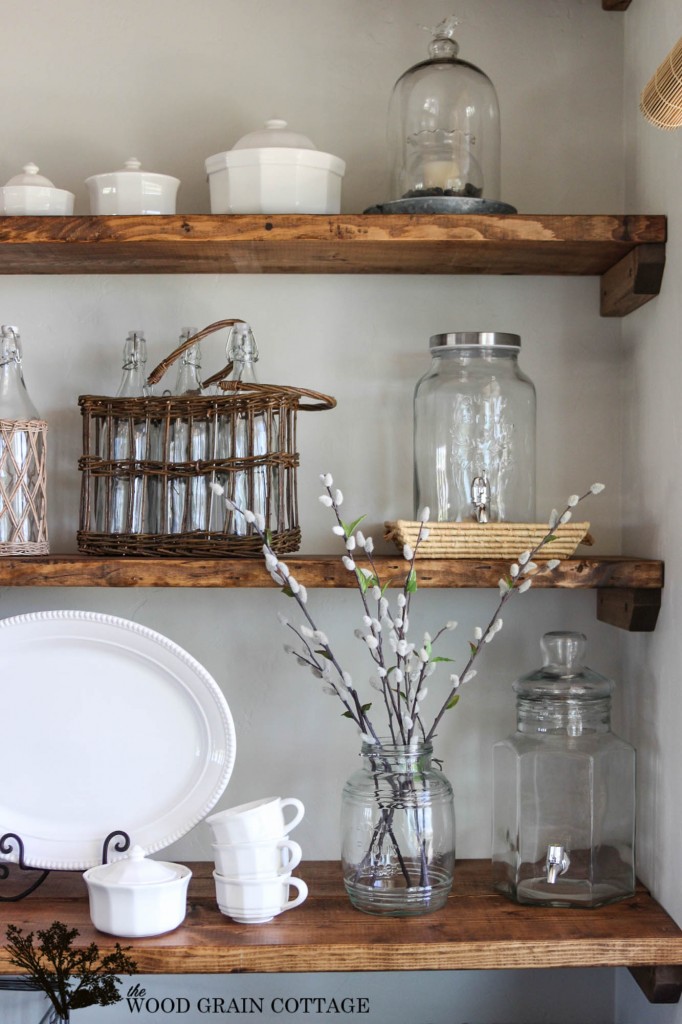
<point>480,498</point>
<point>558,862</point>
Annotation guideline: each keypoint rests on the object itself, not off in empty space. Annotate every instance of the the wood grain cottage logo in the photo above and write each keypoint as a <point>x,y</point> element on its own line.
<point>140,1002</point>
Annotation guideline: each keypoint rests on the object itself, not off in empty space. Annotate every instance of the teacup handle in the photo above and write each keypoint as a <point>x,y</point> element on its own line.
<point>293,853</point>
<point>291,801</point>
<point>299,884</point>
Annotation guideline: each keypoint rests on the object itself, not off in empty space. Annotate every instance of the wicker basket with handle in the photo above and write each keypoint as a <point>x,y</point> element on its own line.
<point>145,500</point>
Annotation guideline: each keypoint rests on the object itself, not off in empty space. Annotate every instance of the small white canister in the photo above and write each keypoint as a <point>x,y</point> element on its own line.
<point>272,171</point>
<point>132,191</point>
<point>32,195</point>
<point>135,897</point>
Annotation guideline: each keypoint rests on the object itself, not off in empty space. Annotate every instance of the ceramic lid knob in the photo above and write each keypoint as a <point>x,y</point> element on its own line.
<point>135,869</point>
<point>133,164</point>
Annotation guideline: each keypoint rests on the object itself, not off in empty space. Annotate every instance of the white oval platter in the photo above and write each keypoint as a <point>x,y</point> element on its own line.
<point>106,725</point>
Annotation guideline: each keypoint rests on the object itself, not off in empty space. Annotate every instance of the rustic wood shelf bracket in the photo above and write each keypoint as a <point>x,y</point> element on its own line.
<point>633,281</point>
<point>660,984</point>
<point>635,610</point>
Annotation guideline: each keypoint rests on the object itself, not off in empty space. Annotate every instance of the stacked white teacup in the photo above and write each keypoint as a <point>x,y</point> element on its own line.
<point>254,859</point>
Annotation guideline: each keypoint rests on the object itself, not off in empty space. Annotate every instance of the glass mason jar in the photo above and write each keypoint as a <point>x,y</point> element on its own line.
<point>474,431</point>
<point>564,788</point>
<point>398,831</point>
<point>444,126</point>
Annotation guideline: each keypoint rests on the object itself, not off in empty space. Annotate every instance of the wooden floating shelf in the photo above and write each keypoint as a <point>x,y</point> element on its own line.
<point>478,929</point>
<point>629,589</point>
<point>627,252</point>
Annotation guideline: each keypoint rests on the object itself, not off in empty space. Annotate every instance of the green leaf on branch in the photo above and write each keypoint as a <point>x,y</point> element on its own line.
<point>474,647</point>
<point>352,527</point>
<point>323,654</point>
<point>440,658</point>
<point>349,714</point>
<point>451,703</point>
<point>287,591</point>
<point>411,584</point>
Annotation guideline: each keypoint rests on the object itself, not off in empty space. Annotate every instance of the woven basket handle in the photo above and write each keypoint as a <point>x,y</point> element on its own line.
<point>319,402</point>
<point>158,372</point>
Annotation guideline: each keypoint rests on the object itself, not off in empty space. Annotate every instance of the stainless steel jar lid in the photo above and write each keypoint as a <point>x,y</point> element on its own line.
<point>469,339</point>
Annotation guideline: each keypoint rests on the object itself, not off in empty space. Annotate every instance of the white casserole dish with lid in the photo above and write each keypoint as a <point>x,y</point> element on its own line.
<point>275,170</point>
<point>32,195</point>
<point>132,191</point>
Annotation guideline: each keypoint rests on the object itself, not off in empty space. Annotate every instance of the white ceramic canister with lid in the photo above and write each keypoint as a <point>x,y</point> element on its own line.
<point>132,191</point>
<point>136,896</point>
<point>30,194</point>
<point>275,170</point>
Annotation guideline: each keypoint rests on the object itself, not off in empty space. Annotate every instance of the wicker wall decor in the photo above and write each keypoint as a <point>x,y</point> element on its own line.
<point>661,99</point>
<point>23,498</point>
<point>147,465</point>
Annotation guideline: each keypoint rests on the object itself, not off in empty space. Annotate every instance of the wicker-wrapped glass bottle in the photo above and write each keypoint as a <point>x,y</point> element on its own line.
<point>564,788</point>
<point>23,443</point>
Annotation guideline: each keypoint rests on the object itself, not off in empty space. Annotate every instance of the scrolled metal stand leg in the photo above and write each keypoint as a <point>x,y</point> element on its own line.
<point>6,847</point>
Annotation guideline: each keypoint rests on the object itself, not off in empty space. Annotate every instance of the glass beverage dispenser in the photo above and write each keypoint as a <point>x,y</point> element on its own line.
<point>474,431</point>
<point>564,788</point>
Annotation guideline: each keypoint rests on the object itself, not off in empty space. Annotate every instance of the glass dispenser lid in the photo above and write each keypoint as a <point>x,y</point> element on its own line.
<point>564,674</point>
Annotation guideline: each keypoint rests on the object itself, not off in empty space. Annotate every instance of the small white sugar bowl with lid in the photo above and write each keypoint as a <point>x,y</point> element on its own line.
<point>132,191</point>
<point>275,170</point>
<point>30,194</point>
<point>135,896</point>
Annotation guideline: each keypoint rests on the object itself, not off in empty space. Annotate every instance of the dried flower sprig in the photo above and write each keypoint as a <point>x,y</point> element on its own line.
<point>402,667</point>
<point>71,978</point>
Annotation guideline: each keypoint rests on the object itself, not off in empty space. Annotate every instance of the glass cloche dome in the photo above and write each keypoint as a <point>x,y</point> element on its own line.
<point>444,133</point>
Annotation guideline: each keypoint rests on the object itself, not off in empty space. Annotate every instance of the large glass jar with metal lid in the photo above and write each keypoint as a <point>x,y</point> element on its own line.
<point>474,431</point>
<point>564,788</point>
<point>444,127</point>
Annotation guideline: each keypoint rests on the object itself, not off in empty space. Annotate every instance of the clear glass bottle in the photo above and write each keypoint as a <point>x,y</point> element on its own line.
<point>248,487</point>
<point>127,505</point>
<point>398,832</point>
<point>474,431</point>
<point>23,446</point>
<point>444,126</point>
<point>188,442</point>
<point>564,788</point>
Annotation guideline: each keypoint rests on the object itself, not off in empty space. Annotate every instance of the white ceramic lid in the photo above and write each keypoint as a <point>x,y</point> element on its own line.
<point>274,133</point>
<point>31,177</point>
<point>135,869</point>
<point>131,166</point>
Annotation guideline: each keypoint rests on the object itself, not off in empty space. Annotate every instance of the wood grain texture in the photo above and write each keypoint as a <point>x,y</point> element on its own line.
<point>632,282</point>
<point>323,571</point>
<point>387,244</point>
<point>478,929</point>
<point>633,610</point>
